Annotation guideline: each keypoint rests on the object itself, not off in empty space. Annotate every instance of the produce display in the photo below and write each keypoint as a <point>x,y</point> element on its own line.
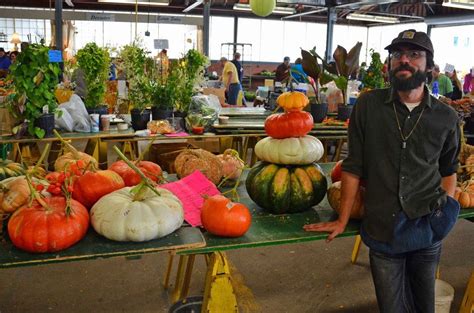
<point>288,180</point>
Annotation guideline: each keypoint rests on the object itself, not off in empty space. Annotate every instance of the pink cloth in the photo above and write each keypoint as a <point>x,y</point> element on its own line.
<point>180,134</point>
<point>191,191</point>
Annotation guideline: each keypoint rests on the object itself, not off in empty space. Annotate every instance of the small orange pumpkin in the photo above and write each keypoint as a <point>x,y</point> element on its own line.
<point>292,101</point>
<point>465,196</point>
<point>334,198</point>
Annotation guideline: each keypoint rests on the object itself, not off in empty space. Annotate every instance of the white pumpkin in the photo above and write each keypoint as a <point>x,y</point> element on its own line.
<point>296,150</point>
<point>118,217</point>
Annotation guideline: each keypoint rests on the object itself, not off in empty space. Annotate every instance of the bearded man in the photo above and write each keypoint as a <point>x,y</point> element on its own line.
<point>404,143</point>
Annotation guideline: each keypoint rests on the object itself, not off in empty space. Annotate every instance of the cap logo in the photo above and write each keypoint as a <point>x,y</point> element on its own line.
<point>408,35</point>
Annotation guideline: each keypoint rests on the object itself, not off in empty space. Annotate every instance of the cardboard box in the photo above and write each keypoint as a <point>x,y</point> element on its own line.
<point>7,122</point>
<point>219,92</point>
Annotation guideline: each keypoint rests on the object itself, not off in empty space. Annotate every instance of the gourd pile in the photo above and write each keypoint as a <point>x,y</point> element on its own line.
<point>288,179</point>
<point>465,188</point>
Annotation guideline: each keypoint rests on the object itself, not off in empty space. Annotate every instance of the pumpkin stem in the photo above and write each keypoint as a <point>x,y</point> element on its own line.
<point>145,180</point>
<point>234,194</point>
<point>139,192</point>
<point>70,147</point>
<point>35,195</point>
<point>41,159</point>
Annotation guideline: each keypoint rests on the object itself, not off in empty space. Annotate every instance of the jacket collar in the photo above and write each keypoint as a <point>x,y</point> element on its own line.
<point>425,101</point>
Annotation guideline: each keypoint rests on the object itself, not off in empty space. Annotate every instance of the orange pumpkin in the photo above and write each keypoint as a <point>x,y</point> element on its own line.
<point>289,124</point>
<point>334,198</point>
<point>72,157</point>
<point>222,217</point>
<point>465,196</point>
<point>131,178</point>
<point>292,101</point>
<point>48,229</point>
<point>91,186</point>
<point>14,193</point>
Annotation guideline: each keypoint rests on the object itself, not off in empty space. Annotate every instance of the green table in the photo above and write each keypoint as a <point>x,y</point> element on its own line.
<point>94,246</point>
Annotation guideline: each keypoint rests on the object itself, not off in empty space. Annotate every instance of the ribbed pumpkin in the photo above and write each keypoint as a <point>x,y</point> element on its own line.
<point>291,151</point>
<point>286,189</point>
<point>262,7</point>
<point>289,124</point>
<point>131,178</point>
<point>72,158</point>
<point>10,169</point>
<point>48,229</point>
<point>334,199</point>
<point>91,186</point>
<point>465,196</point>
<point>292,101</point>
<point>14,192</point>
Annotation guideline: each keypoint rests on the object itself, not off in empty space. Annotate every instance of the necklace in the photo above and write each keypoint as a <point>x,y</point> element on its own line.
<point>405,138</point>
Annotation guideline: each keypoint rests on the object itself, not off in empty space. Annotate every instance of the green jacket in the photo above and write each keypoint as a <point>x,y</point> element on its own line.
<point>444,85</point>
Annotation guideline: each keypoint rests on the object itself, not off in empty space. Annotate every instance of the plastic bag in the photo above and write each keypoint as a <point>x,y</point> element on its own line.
<point>63,120</point>
<point>203,112</point>
<point>75,107</point>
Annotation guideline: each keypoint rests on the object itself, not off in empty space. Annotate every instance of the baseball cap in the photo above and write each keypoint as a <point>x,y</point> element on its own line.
<point>2,50</point>
<point>412,37</point>
<point>286,59</point>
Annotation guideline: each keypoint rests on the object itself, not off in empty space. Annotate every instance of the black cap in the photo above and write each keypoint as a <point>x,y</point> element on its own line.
<point>2,50</point>
<point>412,37</point>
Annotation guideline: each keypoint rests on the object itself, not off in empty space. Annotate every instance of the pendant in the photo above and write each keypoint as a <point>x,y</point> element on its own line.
<point>404,144</point>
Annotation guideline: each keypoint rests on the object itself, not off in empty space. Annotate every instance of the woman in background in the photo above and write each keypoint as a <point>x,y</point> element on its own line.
<point>457,91</point>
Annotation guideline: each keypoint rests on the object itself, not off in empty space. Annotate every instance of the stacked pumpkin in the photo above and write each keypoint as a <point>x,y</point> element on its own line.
<point>288,179</point>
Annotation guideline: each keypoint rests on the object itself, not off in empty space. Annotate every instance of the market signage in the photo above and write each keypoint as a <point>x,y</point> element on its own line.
<point>102,17</point>
<point>167,19</point>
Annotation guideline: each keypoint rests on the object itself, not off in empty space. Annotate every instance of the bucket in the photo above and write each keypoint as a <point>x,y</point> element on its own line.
<point>188,305</point>
<point>444,294</point>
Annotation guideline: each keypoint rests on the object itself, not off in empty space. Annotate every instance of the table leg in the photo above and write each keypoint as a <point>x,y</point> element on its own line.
<point>183,277</point>
<point>166,282</point>
<point>467,304</point>
<point>219,295</point>
<point>355,250</point>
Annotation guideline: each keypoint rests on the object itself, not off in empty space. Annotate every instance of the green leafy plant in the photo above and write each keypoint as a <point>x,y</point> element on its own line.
<point>94,62</point>
<point>136,64</point>
<point>344,65</point>
<point>190,73</point>
<point>165,88</point>
<point>34,78</point>
<point>372,77</point>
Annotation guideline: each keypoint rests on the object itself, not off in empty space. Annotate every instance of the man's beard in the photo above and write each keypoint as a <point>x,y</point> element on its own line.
<point>405,84</point>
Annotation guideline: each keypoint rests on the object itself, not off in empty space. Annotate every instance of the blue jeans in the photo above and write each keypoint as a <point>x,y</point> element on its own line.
<point>405,283</point>
<point>233,93</point>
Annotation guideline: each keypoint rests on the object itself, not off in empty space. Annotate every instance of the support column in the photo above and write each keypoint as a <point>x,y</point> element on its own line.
<point>205,27</point>
<point>332,17</point>
<point>428,30</point>
<point>236,28</point>
<point>58,19</point>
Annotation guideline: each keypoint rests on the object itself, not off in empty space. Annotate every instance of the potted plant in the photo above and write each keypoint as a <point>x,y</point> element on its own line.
<point>190,73</point>
<point>372,77</point>
<point>164,95</point>
<point>339,71</point>
<point>140,86</point>
<point>93,63</point>
<point>35,79</point>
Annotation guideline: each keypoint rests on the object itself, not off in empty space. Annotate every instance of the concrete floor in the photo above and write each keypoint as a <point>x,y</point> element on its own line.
<point>309,277</point>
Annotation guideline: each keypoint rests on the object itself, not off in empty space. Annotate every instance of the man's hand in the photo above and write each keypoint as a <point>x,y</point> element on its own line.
<point>334,228</point>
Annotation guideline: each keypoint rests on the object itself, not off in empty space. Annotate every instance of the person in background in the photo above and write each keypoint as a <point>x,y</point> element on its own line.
<point>13,56</point>
<point>283,70</point>
<point>468,86</point>
<point>404,143</point>
<point>297,71</point>
<point>4,60</point>
<point>238,66</point>
<point>445,87</point>
<point>230,78</point>
<point>457,90</point>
